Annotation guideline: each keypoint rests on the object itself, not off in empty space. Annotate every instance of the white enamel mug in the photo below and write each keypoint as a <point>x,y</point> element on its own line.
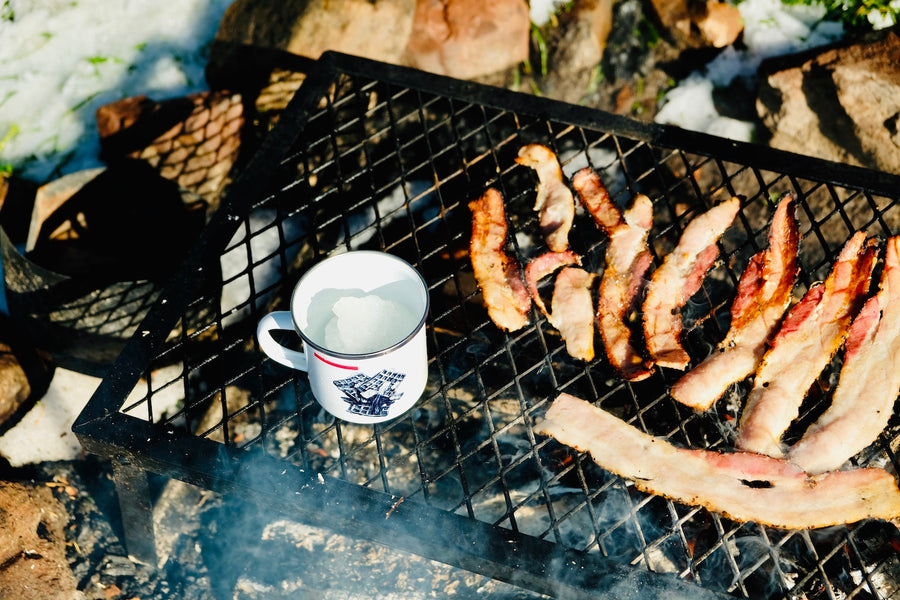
<point>361,318</point>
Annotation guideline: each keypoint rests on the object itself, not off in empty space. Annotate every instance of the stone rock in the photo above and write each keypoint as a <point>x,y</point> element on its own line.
<point>841,103</point>
<point>697,23</point>
<point>377,30</point>
<point>14,386</point>
<point>576,48</point>
<point>468,39</point>
<point>25,373</point>
<point>49,198</point>
<point>721,24</point>
<point>33,564</point>
<point>193,141</point>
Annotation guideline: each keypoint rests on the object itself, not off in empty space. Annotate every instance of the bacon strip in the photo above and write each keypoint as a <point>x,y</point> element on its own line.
<point>678,278</point>
<point>627,261</point>
<point>741,486</point>
<point>573,311</point>
<point>870,379</point>
<point>811,333</point>
<point>763,294</point>
<point>497,273</point>
<point>572,303</point>
<point>595,198</point>
<point>542,266</point>
<point>554,199</point>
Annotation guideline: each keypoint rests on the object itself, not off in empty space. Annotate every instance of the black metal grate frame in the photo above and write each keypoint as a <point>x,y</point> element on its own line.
<point>389,162</point>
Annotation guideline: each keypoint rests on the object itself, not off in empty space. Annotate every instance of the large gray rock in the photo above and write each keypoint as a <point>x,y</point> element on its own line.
<point>374,29</point>
<point>841,103</point>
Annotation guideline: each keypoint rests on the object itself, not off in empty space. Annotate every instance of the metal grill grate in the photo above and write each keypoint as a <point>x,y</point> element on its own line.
<point>389,162</point>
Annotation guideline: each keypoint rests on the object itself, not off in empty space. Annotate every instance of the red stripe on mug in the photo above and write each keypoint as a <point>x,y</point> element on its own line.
<point>334,364</point>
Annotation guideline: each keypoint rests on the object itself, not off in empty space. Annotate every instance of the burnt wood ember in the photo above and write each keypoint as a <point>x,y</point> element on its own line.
<point>372,156</point>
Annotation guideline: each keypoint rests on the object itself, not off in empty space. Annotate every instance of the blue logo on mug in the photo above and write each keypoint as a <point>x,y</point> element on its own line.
<point>371,396</point>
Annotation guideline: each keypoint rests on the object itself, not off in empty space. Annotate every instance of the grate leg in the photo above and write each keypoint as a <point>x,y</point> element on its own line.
<point>133,489</point>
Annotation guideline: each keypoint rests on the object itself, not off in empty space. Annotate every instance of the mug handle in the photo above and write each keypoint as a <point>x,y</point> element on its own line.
<point>279,320</point>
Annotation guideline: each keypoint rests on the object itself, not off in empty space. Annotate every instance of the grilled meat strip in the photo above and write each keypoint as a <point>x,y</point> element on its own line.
<point>678,278</point>
<point>812,331</point>
<point>542,266</point>
<point>497,273</point>
<point>554,202</point>
<point>869,381</point>
<point>742,486</point>
<point>763,294</point>
<point>595,198</point>
<point>573,311</point>
<point>627,261</point>
<point>572,304</point>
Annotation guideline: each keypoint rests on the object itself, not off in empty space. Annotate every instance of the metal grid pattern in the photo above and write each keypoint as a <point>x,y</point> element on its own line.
<point>83,323</point>
<point>389,162</point>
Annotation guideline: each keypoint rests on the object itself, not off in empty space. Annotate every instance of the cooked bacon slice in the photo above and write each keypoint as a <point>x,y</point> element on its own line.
<point>812,331</point>
<point>573,311</point>
<point>572,303</point>
<point>542,266</point>
<point>554,202</point>
<point>678,278</point>
<point>763,294</point>
<point>497,273</point>
<point>742,486</point>
<point>864,399</point>
<point>595,198</point>
<point>627,261</point>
